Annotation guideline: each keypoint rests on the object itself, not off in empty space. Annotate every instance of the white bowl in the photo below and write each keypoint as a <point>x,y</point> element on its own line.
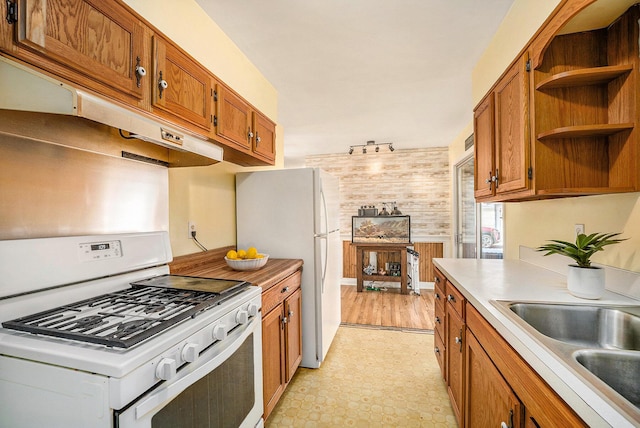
<point>247,264</point>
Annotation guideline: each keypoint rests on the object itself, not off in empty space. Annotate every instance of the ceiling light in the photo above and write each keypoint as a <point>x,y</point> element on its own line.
<point>370,143</point>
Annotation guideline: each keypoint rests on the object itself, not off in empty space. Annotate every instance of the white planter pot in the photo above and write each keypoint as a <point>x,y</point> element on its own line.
<point>587,283</point>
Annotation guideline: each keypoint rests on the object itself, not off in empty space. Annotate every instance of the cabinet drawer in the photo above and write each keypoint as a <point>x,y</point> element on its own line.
<point>439,319</point>
<point>439,350</point>
<point>276,294</point>
<point>455,299</point>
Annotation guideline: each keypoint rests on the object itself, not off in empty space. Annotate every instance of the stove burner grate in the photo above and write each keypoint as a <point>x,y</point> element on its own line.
<point>124,318</point>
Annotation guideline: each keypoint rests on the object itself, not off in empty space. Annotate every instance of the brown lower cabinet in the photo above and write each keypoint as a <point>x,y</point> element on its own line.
<point>488,381</point>
<point>281,338</point>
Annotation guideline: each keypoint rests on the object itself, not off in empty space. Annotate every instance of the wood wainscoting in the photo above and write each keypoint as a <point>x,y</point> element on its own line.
<point>427,251</point>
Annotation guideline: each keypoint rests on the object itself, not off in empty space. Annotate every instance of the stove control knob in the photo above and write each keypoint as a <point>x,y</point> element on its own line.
<point>253,309</point>
<point>166,369</point>
<point>242,317</point>
<point>219,332</point>
<point>190,352</point>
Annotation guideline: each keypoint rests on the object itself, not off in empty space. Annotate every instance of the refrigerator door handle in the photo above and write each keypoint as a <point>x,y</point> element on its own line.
<point>326,247</point>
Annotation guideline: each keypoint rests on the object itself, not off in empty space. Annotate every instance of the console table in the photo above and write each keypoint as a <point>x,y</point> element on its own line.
<point>381,248</point>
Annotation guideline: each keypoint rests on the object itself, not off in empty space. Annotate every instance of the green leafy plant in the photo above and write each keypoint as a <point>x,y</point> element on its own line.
<point>585,247</point>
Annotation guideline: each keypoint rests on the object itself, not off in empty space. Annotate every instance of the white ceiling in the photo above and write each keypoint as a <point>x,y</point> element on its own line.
<point>349,71</point>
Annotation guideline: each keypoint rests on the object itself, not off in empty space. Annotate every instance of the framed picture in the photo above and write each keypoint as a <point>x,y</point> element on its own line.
<point>381,229</point>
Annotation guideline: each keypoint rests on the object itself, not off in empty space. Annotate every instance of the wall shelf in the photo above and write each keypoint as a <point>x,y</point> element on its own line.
<point>584,77</point>
<point>581,131</point>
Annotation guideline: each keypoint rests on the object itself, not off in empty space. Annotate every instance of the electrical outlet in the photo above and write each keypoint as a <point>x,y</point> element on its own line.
<point>579,229</point>
<point>192,228</point>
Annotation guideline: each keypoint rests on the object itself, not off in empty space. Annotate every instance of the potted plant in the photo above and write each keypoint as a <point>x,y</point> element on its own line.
<point>583,280</point>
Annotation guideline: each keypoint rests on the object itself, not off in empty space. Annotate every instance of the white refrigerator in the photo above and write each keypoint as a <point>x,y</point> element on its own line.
<point>294,214</point>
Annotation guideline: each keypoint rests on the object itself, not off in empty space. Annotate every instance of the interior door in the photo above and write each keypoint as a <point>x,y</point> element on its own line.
<point>465,233</point>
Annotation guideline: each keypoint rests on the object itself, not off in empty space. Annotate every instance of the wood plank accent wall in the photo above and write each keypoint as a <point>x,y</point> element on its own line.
<point>417,179</point>
<point>427,251</point>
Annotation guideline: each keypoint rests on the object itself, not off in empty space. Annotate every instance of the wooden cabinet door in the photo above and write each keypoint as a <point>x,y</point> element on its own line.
<point>455,361</point>
<point>233,119</point>
<point>181,87</point>
<point>293,330</point>
<point>489,400</point>
<point>484,147</point>
<point>85,41</point>
<point>264,139</point>
<point>273,351</point>
<point>512,139</point>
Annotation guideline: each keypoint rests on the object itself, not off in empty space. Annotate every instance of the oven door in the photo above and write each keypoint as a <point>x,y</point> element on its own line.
<point>223,388</point>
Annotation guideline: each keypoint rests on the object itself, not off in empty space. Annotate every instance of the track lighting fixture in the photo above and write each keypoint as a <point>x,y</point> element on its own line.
<point>371,143</point>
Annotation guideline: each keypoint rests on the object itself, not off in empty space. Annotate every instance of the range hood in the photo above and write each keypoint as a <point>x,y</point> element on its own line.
<point>27,90</point>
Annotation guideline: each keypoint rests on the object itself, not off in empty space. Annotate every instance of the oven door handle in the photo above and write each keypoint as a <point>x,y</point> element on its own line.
<point>190,374</point>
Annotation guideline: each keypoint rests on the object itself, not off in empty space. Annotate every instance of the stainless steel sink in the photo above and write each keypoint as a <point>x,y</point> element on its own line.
<point>598,343</point>
<point>619,370</point>
<point>586,326</point>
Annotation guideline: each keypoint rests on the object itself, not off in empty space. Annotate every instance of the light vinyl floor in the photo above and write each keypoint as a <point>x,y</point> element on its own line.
<point>379,375</point>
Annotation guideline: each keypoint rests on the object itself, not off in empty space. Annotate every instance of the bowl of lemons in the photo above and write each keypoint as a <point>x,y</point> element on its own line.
<point>249,259</point>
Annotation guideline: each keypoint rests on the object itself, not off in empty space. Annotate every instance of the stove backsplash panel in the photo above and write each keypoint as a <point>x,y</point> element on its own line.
<point>48,188</point>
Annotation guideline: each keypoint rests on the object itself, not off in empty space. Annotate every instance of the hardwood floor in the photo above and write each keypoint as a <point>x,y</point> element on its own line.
<point>388,308</point>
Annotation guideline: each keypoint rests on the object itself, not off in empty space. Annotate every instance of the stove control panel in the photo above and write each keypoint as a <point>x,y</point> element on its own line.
<point>100,250</point>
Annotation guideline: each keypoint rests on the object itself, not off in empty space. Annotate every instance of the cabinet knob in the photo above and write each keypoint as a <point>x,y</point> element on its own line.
<point>437,280</point>
<point>458,340</point>
<point>258,139</point>
<point>451,298</point>
<point>284,290</point>
<point>162,85</point>
<point>249,133</point>
<point>290,313</point>
<point>436,296</point>
<point>438,320</point>
<point>436,350</point>
<point>140,71</point>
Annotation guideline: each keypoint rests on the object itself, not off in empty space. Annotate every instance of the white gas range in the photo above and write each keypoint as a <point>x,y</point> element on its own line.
<point>96,333</point>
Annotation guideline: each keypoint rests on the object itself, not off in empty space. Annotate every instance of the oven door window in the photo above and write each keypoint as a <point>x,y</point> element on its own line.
<point>223,398</point>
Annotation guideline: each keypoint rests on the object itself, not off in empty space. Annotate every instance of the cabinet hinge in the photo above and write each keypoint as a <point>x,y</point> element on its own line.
<point>12,11</point>
<point>530,173</point>
<point>215,120</point>
<point>528,66</point>
<point>215,95</point>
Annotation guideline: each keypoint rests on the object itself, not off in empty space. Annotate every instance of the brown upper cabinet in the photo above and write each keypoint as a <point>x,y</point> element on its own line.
<point>181,87</point>
<point>95,44</point>
<point>566,125</point>
<point>502,143</point>
<point>105,47</point>
<point>244,128</point>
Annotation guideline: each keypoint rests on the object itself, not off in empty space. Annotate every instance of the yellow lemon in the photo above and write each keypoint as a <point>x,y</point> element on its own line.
<point>242,254</point>
<point>252,252</point>
<point>232,255</point>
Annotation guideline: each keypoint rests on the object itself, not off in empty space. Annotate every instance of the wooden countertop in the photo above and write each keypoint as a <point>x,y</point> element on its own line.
<point>211,264</point>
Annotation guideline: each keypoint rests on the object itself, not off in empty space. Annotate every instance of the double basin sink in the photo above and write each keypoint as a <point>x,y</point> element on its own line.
<point>600,343</point>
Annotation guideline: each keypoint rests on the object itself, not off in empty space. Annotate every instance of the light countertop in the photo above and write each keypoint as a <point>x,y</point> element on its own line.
<point>482,281</point>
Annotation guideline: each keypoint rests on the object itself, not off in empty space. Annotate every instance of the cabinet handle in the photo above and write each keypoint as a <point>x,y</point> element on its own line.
<point>249,134</point>
<point>504,424</point>
<point>162,85</point>
<point>438,320</point>
<point>436,296</point>
<point>437,280</point>
<point>284,290</point>
<point>495,178</point>
<point>489,180</point>
<point>458,340</point>
<point>290,313</point>
<point>436,350</point>
<point>451,298</point>
<point>140,71</point>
